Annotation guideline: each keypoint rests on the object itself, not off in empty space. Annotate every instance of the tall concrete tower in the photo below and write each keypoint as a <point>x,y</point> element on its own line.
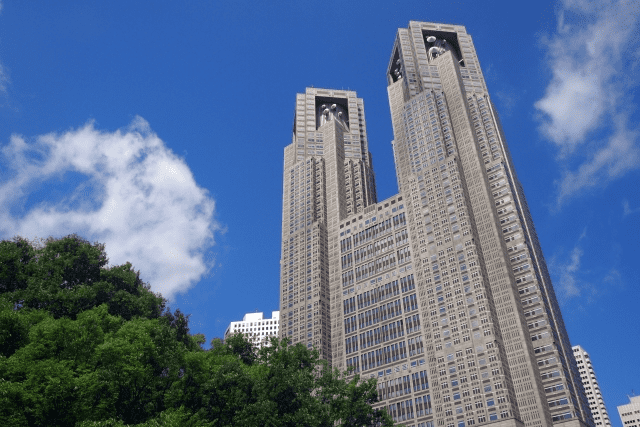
<point>327,176</point>
<point>440,292</point>
<point>467,209</point>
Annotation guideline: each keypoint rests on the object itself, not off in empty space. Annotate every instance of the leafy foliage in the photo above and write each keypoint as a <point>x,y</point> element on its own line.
<point>85,344</point>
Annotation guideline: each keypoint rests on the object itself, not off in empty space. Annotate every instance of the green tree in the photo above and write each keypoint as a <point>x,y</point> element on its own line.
<point>279,385</point>
<point>86,344</point>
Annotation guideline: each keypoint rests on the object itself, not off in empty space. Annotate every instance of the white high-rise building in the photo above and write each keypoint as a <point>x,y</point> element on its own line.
<point>630,413</point>
<point>591,387</point>
<point>256,327</point>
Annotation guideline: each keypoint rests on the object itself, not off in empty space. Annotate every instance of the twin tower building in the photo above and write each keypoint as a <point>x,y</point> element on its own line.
<point>440,292</point>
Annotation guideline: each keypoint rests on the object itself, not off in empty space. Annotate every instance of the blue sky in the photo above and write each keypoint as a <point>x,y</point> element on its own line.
<point>158,128</point>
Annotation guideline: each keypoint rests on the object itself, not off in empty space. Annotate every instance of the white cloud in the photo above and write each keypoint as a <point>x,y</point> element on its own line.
<point>578,283</point>
<point>568,282</point>
<point>4,79</point>
<point>612,158</point>
<point>568,285</point>
<point>508,100</point>
<point>129,191</point>
<point>613,277</point>
<point>585,109</point>
<point>627,209</point>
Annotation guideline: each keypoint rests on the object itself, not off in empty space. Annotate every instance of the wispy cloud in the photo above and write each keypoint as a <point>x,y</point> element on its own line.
<point>508,100</point>
<point>4,79</point>
<point>580,283</point>
<point>122,188</point>
<point>568,285</point>
<point>593,58</point>
<point>627,209</point>
<point>613,277</point>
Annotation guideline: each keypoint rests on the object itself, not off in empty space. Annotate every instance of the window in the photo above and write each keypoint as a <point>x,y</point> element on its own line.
<point>558,402</point>
<point>564,416</point>
<point>553,388</point>
<point>551,374</point>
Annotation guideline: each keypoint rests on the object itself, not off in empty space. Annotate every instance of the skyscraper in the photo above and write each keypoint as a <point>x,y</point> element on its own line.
<point>591,387</point>
<point>440,292</point>
<point>327,177</point>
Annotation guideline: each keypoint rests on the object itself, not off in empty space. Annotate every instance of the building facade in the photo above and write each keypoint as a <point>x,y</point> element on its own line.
<point>630,413</point>
<point>256,327</point>
<point>591,387</point>
<point>440,292</point>
<point>327,176</point>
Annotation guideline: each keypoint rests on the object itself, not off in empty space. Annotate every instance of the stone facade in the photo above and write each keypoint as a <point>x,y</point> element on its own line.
<point>440,292</point>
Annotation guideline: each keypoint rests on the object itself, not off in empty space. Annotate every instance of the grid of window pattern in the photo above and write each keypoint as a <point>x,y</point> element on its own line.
<point>441,292</point>
<point>328,174</point>
<point>481,267</point>
<point>258,329</point>
<point>591,387</point>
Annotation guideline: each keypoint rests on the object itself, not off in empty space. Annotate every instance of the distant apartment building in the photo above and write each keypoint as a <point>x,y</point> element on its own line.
<point>256,327</point>
<point>630,413</point>
<point>591,387</point>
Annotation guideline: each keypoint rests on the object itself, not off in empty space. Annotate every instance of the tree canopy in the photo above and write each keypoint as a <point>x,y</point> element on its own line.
<point>87,344</point>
